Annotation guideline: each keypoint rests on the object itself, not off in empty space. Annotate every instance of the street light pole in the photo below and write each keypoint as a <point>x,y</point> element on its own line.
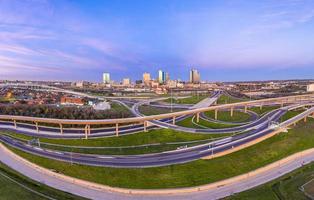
<point>171,98</point>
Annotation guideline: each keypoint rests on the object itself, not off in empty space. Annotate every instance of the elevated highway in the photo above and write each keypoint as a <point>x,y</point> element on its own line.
<point>208,150</point>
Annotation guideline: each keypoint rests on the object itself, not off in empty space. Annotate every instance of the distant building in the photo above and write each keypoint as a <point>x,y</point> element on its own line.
<point>81,84</point>
<point>167,77</point>
<point>126,81</point>
<point>161,77</point>
<point>194,76</point>
<point>102,106</point>
<point>71,101</point>
<point>138,82</point>
<point>146,78</point>
<point>310,88</point>
<point>106,78</point>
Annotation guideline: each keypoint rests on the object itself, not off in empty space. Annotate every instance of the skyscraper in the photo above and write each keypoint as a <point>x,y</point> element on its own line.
<point>194,76</point>
<point>146,78</point>
<point>161,77</point>
<point>167,77</point>
<point>106,78</point>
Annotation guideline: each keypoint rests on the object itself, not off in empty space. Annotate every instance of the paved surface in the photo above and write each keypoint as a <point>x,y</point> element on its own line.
<point>213,193</point>
<point>207,101</point>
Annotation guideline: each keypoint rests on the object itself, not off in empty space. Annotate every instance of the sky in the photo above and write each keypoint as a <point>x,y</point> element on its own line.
<point>226,40</point>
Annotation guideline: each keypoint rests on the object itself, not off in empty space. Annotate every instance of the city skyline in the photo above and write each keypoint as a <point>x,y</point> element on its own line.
<point>224,40</point>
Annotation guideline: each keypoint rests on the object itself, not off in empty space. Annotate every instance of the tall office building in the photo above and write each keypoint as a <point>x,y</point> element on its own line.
<point>161,77</point>
<point>194,76</point>
<point>126,81</point>
<point>146,78</point>
<point>167,77</point>
<point>106,78</point>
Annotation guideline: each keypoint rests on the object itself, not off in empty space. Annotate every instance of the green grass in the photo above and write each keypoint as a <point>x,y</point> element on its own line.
<point>190,100</point>
<point>150,110</point>
<point>188,123</point>
<point>226,116</point>
<point>193,173</point>
<point>265,109</point>
<point>291,113</point>
<point>224,99</point>
<point>154,148</point>
<point>150,137</point>
<point>285,187</point>
<point>11,190</point>
<point>118,107</point>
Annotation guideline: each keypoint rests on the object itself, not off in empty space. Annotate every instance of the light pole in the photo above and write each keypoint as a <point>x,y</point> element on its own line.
<point>171,98</point>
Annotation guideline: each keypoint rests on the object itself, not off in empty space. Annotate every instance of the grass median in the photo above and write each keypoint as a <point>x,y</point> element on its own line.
<point>195,173</point>
<point>140,143</point>
<point>226,116</point>
<point>202,124</point>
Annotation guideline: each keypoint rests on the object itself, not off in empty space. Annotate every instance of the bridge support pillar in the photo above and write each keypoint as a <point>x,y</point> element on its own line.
<point>216,114</point>
<point>261,106</point>
<point>245,108</point>
<point>305,119</point>
<point>197,117</point>
<point>231,111</point>
<point>15,126</point>
<point>61,129</point>
<point>174,120</point>
<point>145,126</point>
<point>281,104</point>
<point>117,129</point>
<point>86,132</point>
<point>37,128</point>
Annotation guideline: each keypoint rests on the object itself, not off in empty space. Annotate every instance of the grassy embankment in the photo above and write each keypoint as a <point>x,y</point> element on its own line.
<point>226,116</point>
<point>224,99</point>
<point>160,137</point>
<point>150,110</point>
<point>190,100</point>
<point>285,187</point>
<point>203,124</point>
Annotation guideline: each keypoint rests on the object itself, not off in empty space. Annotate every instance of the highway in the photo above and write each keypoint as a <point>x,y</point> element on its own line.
<point>211,191</point>
<point>164,158</point>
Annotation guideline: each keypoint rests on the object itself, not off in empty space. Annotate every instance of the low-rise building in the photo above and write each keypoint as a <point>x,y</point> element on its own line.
<point>71,101</point>
<point>102,106</point>
<point>310,88</point>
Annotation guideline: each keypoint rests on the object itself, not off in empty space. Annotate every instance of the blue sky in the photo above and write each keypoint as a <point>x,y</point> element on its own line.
<point>226,40</point>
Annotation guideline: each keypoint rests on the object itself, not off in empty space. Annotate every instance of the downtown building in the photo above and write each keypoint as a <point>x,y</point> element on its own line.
<point>195,76</point>
<point>162,77</point>
<point>106,78</point>
<point>146,78</point>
